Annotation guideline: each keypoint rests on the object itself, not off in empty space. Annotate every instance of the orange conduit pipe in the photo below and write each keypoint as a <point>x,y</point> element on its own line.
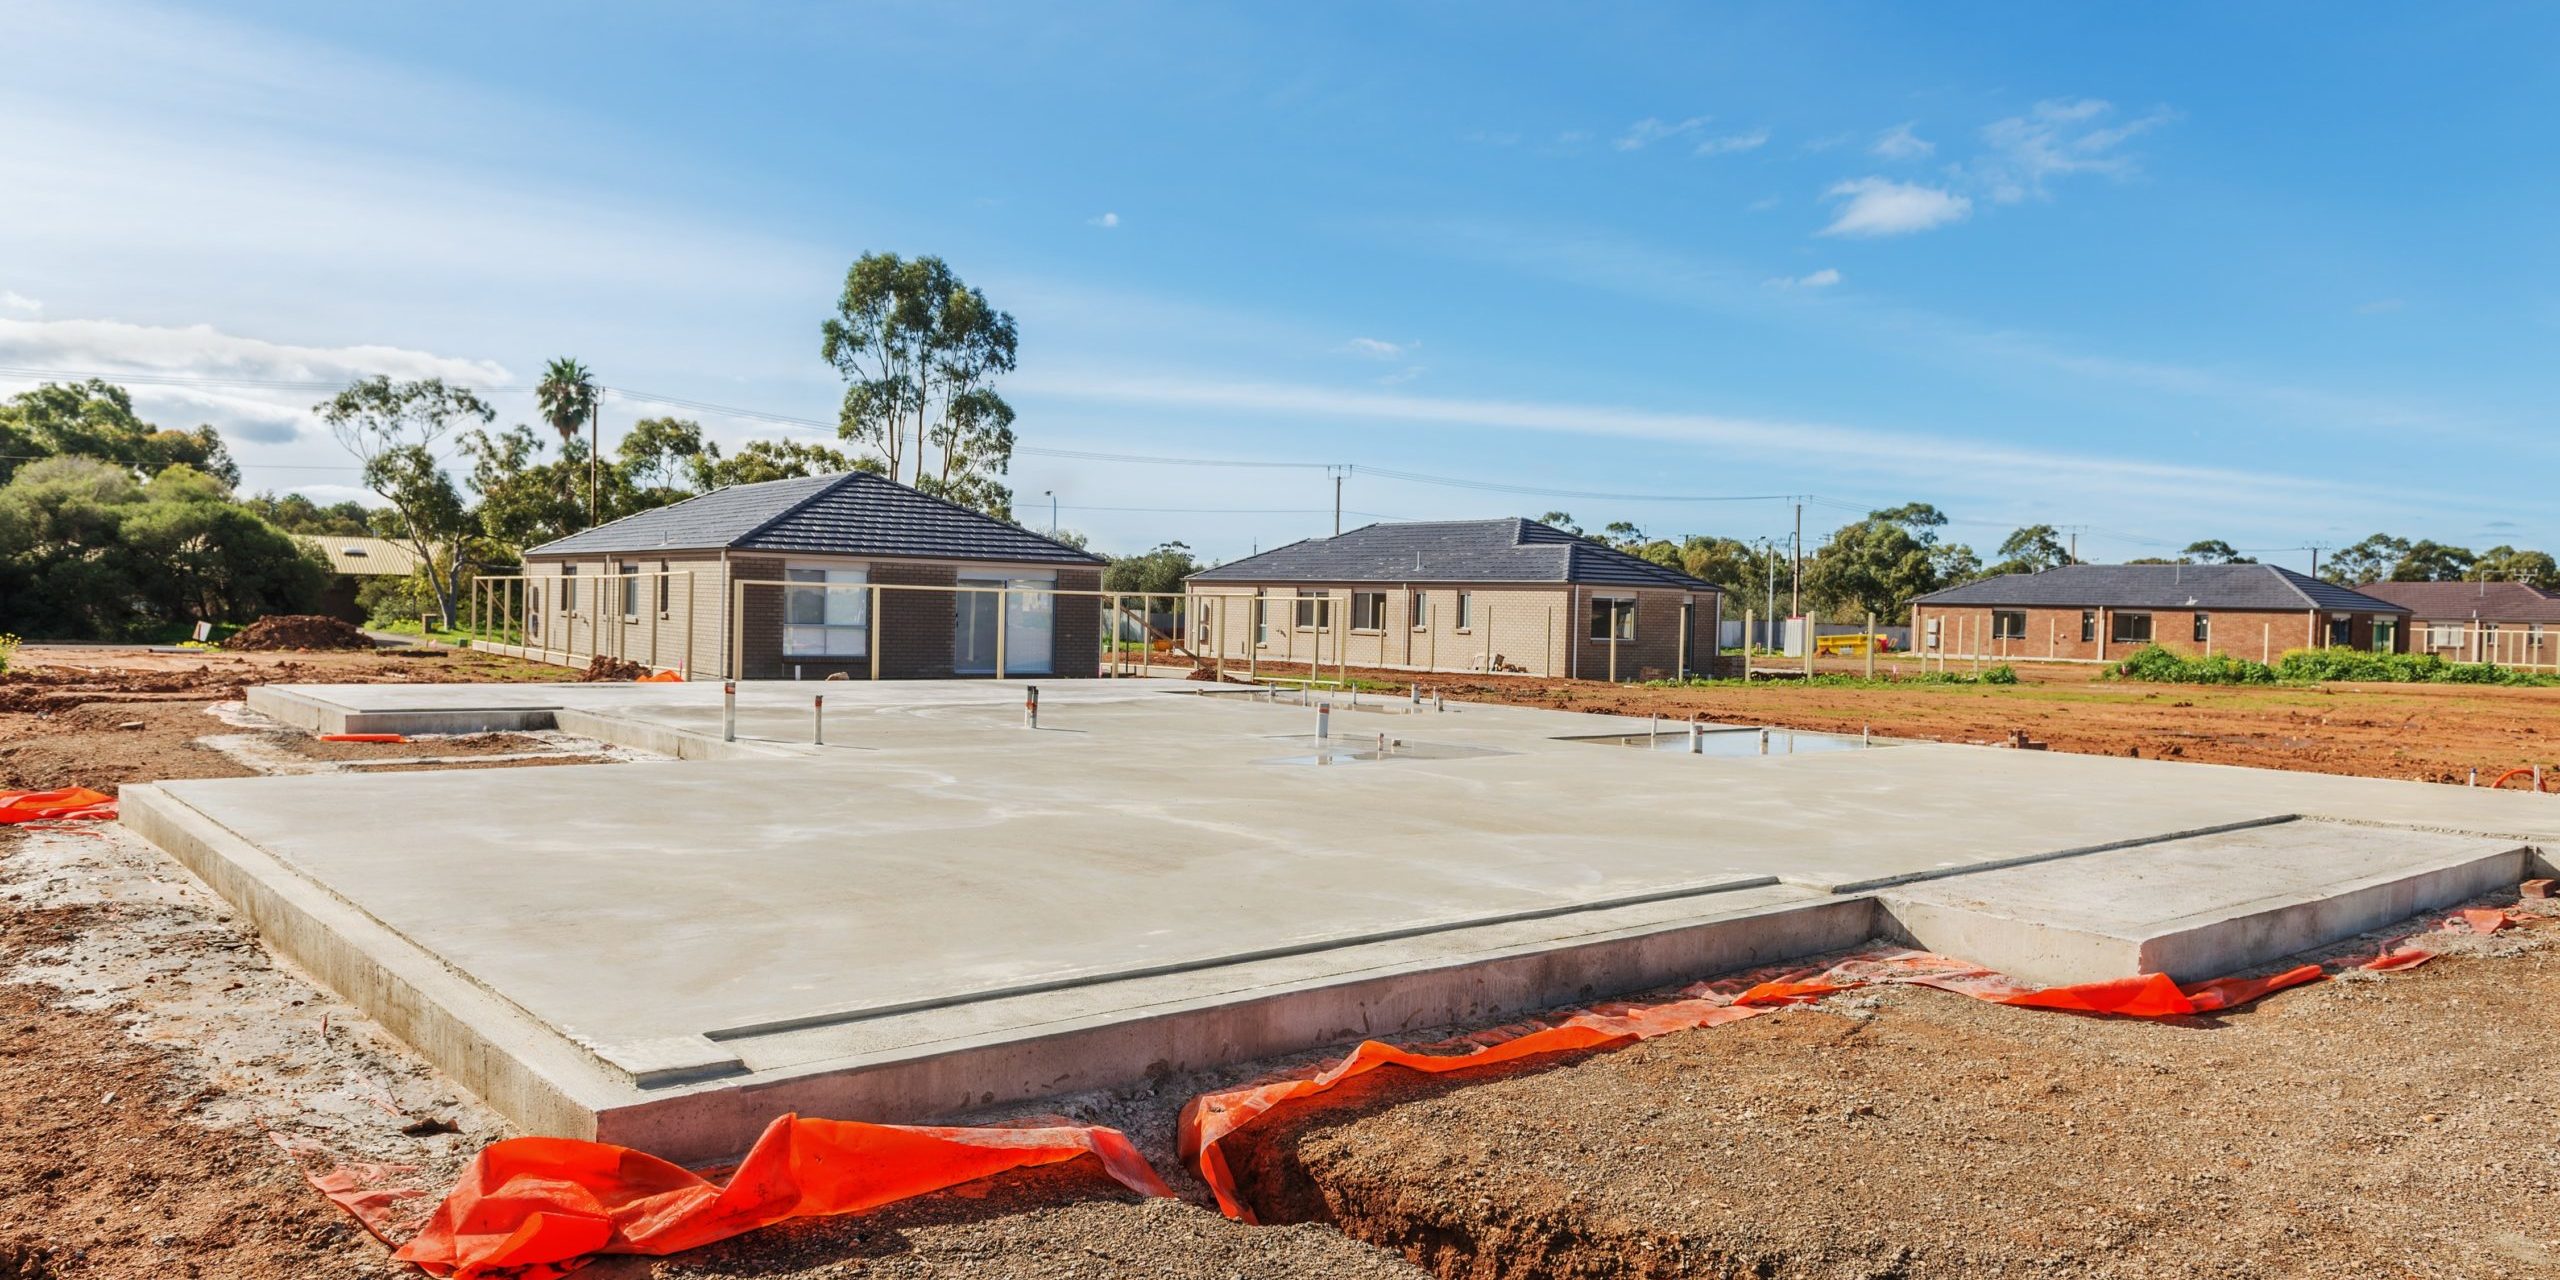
<point>1211,1118</point>
<point>363,737</point>
<point>660,677</point>
<point>535,1208</point>
<point>2526,772</point>
<point>62,804</point>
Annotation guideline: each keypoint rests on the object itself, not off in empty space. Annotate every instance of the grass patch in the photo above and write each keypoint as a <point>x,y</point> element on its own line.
<point>2000,675</point>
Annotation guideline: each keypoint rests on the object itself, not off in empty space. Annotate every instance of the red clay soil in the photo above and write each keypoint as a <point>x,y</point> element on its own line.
<point>2432,733</point>
<point>299,631</point>
<point>2392,1127</point>
<point>605,667</point>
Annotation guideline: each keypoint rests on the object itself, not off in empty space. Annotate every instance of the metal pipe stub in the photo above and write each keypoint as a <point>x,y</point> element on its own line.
<point>728,711</point>
<point>1030,706</point>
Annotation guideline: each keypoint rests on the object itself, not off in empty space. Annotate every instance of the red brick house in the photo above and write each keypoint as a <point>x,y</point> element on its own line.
<point>2503,622</point>
<point>2101,612</point>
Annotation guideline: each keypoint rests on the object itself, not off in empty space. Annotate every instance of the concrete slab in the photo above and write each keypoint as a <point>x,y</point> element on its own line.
<point>939,909</point>
<point>2200,907</point>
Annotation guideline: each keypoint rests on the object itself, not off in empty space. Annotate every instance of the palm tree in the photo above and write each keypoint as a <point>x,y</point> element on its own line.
<point>568,396</point>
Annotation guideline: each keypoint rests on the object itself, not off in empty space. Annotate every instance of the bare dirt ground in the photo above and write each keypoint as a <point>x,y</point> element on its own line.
<point>2432,733</point>
<point>2397,1126</point>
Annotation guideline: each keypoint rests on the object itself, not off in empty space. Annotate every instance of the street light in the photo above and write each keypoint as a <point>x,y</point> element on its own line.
<point>1052,496</point>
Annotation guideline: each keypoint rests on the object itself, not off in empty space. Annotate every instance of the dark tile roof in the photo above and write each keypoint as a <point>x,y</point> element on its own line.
<point>1452,551</point>
<point>2160,586</point>
<point>2487,601</point>
<point>855,513</point>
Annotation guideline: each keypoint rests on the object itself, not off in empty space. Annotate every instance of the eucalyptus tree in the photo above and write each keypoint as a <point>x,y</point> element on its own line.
<point>918,350</point>
<point>391,429</point>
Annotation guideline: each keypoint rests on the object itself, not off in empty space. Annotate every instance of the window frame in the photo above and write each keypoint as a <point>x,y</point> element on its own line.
<point>2088,626</point>
<point>1417,605</point>
<point>1621,616</point>
<point>1376,602</point>
<point>569,591</point>
<point>664,591</point>
<point>2116,627</point>
<point>630,575</point>
<point>2204,627</point>
<point>829,630</point>
<point>1311,610</point>
<point>1261,618</point>
<point>1465,618</point>
<point>2000,617</point>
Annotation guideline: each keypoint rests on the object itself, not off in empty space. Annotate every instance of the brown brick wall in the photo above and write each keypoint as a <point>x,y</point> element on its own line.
<point>1075,643</point>
<point>914,627</point>
<point>2055,633</point>
<point>1654,654</point>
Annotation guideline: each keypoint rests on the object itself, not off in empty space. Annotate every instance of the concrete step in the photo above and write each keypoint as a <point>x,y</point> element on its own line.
<point>2200,906</point>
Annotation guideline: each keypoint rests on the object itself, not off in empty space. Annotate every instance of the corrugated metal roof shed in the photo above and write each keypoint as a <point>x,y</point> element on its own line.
<point>1511,550</point>
<point>363,557</point>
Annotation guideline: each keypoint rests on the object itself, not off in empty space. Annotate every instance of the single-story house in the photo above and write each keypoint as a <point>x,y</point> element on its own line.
<point>2098,612</point>
<point>778,580</point>
<point>1456,595</point>
<point>351,561</point>
<point>2504,622</point>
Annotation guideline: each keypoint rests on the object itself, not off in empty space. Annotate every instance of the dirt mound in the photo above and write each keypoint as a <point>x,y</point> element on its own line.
<point>607,668</point>
<point>299,631</point>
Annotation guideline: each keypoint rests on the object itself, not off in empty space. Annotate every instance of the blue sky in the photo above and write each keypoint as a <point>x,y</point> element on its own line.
<point>2276,274</point>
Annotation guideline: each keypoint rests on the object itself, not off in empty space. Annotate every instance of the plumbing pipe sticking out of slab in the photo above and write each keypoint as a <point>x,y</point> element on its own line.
<point>1031,706</point>
<point>1436,703</point>
<point>1416,697</point>
<point>1653,729</point>
<point>1382,744</point>
<point>728,711</point>
<point>1697,738</point>
<point>1864,731</point>
<point>1764,742</point>
<point>1324,721</point>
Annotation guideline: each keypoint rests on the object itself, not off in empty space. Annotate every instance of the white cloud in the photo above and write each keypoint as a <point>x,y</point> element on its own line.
<point>19,303</point>
<point>1884,207</point>
<point>171,371</point>
<point>2056,138</point>
<point>1733,142</point>
<point>1900,143</point>
<point>1105,221</point>
<point>1823,279</point>
<point>1378,348</point>
<point>1649,130</point>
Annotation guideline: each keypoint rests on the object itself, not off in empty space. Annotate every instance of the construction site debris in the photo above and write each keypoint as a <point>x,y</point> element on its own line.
<point>62,804</point>
<point>605,667</point>
<point>299,631</point>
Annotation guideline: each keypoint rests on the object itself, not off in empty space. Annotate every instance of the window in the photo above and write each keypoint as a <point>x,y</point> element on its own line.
<point>630,590</point>
<point>831,619</point>
<point>568,588</point>
<point>2444,635</point>
<point>1368,610</point>
<point>663,579</point>
<point>1261,619</point>
<point>1466,610</point>
<point>1417,608</point>
<point>1613,617</point>
<point>1315,610</point>
<point>2008,624</point>
<point>2130,628</point>
<point>2386,635</point>
<point>1934,628</point>
<point>533,609</point>
<point>2088,626</point>
<point>2342,630</point>
<point>2204,627</point>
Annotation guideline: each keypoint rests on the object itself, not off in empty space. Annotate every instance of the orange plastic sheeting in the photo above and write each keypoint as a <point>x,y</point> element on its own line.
<point>533,1208</point>
<point>58,805</point>
<point>660,677</point>
<point>362,737</point>
<point>1210,1118</point>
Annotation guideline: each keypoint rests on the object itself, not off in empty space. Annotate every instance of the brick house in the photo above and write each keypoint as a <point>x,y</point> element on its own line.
<point>781,580</point>
<point>2100,612</point>
<point>2504,622</point>
<point>1457,595</point>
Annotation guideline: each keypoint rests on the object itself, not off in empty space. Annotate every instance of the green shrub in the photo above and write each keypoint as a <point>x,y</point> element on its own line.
<point>2002,674</point>
<point>2159,665</point>
<point>2398,668</point>
<point>8,650</point>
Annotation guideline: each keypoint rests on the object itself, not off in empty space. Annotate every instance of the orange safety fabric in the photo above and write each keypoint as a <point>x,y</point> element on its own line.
<point>533,1208</point>
<point>362,737</point>
<point>58,805</point>
<point>1208,1119</point>
<point>660,677</point>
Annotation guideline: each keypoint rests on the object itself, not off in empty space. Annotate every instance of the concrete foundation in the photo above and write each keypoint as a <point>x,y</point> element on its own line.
<point>939,909</point>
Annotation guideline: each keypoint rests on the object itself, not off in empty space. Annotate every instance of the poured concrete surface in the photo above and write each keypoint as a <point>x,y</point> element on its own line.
<point>2199,907</point>
<point>940,908</point>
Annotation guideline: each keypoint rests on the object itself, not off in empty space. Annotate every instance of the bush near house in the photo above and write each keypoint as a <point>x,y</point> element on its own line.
<point>2156,665</point>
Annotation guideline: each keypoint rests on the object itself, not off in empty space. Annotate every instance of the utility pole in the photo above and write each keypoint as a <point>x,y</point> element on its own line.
<point>595,442</point>
<point>1337,504</point>
<point>2075,545</point>
<point>2315,562</point>
<point>1052,496</point>
<point>1795,580</point>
